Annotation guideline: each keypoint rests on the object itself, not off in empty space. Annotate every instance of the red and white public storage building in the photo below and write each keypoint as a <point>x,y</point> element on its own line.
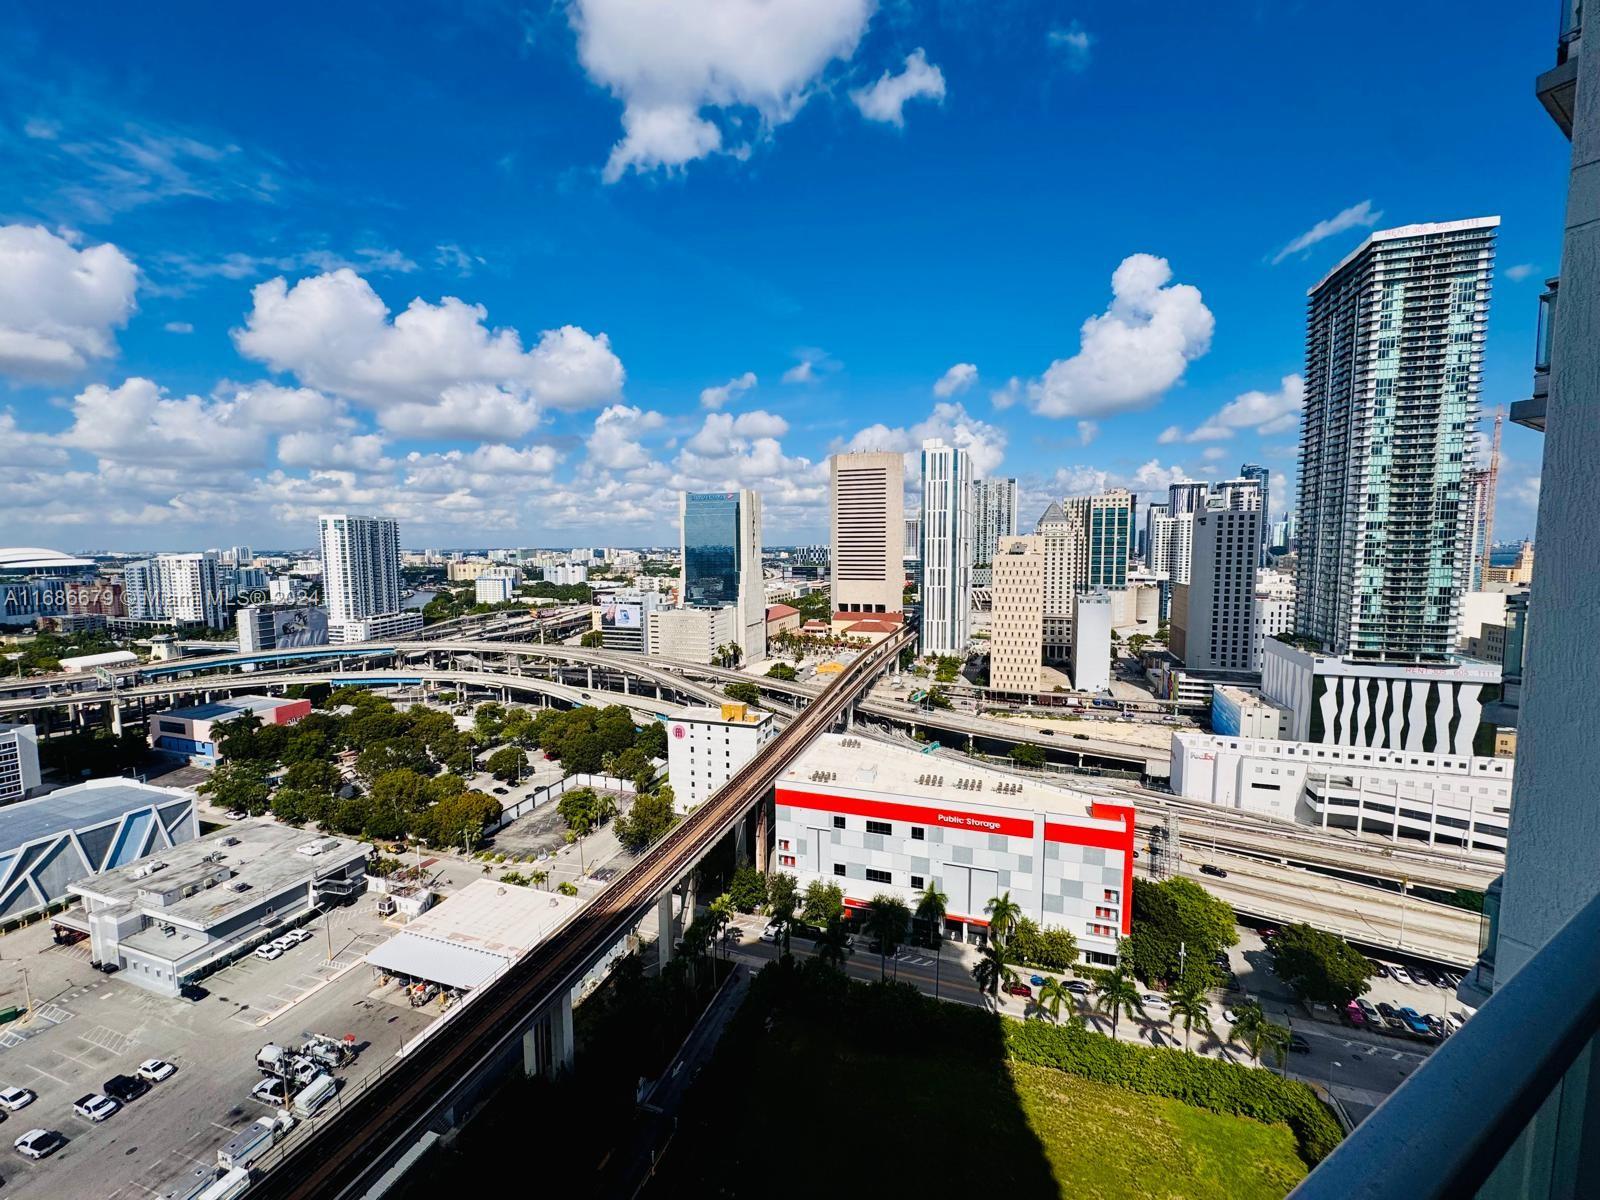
<point>874,817</point>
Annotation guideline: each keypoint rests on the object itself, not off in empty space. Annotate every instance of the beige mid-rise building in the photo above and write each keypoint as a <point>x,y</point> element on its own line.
<point>1016,623</point>
<point>866,502</point>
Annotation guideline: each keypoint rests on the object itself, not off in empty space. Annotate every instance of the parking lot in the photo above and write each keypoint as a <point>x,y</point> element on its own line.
<point>88,1027</point>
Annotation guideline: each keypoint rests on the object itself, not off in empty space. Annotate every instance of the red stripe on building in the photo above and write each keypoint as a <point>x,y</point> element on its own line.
<point>1120,840</point>
<point>885,810</point>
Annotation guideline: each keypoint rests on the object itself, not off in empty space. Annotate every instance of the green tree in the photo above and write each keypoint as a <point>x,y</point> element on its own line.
<point>585,810</point>
<point>647,820</point>
<point>507,764</point>
<point>567,888</point>
<point>1178,928</point>
<point>1028,755</point>
<point>833,944</point>
<point>487,720</point>
<point>993,969</point>
<point>1320,967</point>
<point>236,738</point>
<point>728,655</point>
<point>744,693</point>
<point>1116,994</point>
<point>394,754</point>
<point>651,741</point>
<point>1192,1006</point>
<point>1004,913</point>
<point>239,785</point>
<point>1053,993</point>
<point>747,889</point>
<point>313,775</point>
<point>937,698</point>
<point>592,640</point>
<point>783,901</point>
<point>1052,949</point>
<point>1136,644</point>
<point>782,670</point>
<point>930,911</point>
<point>886,923</point>
<point>293,806</point>
<point>824,904</point>
<point>720,913</point>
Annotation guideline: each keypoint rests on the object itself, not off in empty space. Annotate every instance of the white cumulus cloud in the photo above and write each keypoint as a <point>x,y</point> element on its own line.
<point>1131,353</point>
<point>59,306</point>
<point>957,379</point>
<point>716,397</point>
<point>1268,413</point>
<point>679,65</point>
<point>886,99</point>
<point>334,333</point>
<point>948,421</point>
<point>615,444</point>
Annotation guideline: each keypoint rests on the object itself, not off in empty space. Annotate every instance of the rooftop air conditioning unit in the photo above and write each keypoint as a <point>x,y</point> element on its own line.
<point>230,840</point>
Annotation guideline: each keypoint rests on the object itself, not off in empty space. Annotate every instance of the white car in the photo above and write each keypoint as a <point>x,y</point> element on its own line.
<point>770,933</point>
<point>154,1070</point>
<point>11,1099</point>
<point>270,951</point>
<point>95,1106</point>
<point>272,1092</point>
<point>287,942</point>
<point>1152,1000</point>
<point>300,935</point>
<point>39,1143</point>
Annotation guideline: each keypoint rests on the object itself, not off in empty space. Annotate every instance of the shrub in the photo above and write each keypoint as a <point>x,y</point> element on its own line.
<point>1207,1083</point>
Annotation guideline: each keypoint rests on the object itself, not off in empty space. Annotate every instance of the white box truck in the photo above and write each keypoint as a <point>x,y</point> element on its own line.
<point>254,1140</point>
<point>314,1095</point>
<point>229,1185</point>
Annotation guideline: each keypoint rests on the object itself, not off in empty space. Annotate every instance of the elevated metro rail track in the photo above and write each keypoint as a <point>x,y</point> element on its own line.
<point>351,1148</point>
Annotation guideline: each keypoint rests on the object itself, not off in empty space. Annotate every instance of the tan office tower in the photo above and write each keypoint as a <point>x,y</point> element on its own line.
<point>1016,622</point>
<point>867,524</point>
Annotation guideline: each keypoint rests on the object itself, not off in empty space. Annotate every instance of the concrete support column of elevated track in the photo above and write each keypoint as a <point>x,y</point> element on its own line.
<point>548,1043</point>
<point>666,931</point>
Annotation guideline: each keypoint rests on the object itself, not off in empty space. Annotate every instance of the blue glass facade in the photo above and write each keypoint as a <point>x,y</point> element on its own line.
<point>711,548</point>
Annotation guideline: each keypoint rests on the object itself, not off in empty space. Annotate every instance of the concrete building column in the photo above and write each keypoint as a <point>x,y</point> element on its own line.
<point>589,671</point>
<point>548,1043</point>
<point>741,849</point>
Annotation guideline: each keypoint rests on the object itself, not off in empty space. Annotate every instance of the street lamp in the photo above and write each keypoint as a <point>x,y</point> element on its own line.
<point>1331,1065</point>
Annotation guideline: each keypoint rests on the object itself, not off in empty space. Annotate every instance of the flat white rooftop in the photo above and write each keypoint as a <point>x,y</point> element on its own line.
<point>473,934</point>
<point>264,856</point>
<point>843,761</point>
<point>727,714</point>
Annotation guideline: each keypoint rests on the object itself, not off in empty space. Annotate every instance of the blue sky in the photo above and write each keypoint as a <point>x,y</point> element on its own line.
<point>516,274</point>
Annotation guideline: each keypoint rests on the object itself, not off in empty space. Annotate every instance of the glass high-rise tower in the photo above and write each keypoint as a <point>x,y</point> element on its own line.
<point>721,561</point>
<point>1394,353</point>
<point>946,549</point>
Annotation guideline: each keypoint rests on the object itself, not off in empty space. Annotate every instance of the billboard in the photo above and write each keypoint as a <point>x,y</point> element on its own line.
<point>614,615</point>
<point>1226,714</point>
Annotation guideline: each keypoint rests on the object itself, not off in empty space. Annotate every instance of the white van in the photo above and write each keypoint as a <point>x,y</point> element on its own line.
<point>251,1142</point>
<point>234,1183</point>
<point>315,1094</point>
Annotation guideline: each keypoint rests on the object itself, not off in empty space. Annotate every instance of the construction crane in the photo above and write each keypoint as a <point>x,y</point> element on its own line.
<point>1491,482</point>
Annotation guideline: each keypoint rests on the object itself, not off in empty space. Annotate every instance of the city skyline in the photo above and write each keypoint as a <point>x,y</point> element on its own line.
<point>266,333</point>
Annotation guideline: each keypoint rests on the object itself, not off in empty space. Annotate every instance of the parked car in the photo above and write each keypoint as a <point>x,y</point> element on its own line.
<point>95,1106</point>
<point>1036,980</point>
<point>770,933</point>
<point>301,935</point>
<point>1414,1022</point>
<point>1078,987</point>
<point>1229,1016</point>
<point>14,1098</point>
<point>1378,968</point>
<point>1153,1000</point>
<point>270,951</point>
<point>1018,989</point>
<point>1213,870</point>
<point>500,791</point>
<point>39,1143</point>
<point>192,991</point>
<point>1354,1015</point>
<point>1368,1010</point>
<point>1298,1044</point>
<point>123,1088</point>
<point>156,1069</point>
<point>271,1092</point>
<point>1401,974</point>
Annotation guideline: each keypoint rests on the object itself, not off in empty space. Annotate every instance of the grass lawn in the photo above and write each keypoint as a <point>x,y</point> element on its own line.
<point>1105,1142</point>
<point>806,1101</point>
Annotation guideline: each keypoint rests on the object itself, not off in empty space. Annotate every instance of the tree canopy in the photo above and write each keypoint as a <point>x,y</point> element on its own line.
<point>1176,921</point>
<point>1320,967</point>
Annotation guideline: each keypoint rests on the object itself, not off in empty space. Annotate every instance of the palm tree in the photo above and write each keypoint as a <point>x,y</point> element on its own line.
<point>1275,1037</point>
<point>781,906</point>
<point>931,908</point>
<point>886,922</point>
<point>992,969</point>
<point>1053,994</point>
<point>833,946</point>
<point>720,911</point>
<point>1116,994</point>
<point>1191,1005</point>
<point>1004,913</point>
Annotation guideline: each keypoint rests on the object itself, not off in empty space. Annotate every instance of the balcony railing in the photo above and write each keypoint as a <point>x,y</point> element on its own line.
<point>1507,1107</point>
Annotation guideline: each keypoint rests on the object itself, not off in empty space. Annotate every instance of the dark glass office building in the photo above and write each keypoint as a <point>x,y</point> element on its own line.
<point>711,548</point>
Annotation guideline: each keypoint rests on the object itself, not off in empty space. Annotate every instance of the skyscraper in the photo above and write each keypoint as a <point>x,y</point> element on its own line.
<point>867,524</point>
<point>1394,352</point>
<point>1263,478</point>
<point>1016,624</point>
<point>720,542</point>
<point>1213,614</point>
<point>1087,540</point>
<point>946,548</point>
<point>361,578</point>
<point>177,589</point>
<point>995,517</point>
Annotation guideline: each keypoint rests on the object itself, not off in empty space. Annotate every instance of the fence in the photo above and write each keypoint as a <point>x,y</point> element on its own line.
<point>524,806</point>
